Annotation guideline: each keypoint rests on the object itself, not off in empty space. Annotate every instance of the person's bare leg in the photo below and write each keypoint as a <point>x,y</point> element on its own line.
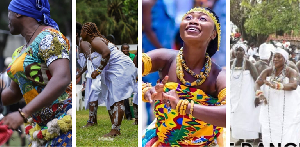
<point>93,106</point>
<point>118,112</point>
<point>135,111</point>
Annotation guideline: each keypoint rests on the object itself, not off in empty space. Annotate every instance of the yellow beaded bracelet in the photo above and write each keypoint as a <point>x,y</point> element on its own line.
<point>178,105</point>
<point>183,107</point>
<point>145,88</point>
<point>222,94</point>
<point>147,64</point>
<point>192,109</point>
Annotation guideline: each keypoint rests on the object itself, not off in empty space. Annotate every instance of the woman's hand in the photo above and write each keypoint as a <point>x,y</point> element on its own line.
<point>156,92</point>
<point>13,120</point>
<point>256,102</point>
<point>173,98</point>
<point>94,74</point>
<point>270,84</point>
<point>260,99</point>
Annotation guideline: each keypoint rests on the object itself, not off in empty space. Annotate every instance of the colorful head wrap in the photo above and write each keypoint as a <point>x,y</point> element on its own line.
<point>215,19</point>
<point>37,9</point>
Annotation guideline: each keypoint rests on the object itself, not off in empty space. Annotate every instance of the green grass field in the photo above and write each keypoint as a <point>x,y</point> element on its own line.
<point>92,136</point>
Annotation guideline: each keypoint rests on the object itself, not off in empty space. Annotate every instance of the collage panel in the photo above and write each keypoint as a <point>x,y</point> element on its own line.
<point>184,76</point>
<point>106,72</point>
<point>35,66</point>
<point>264,79</point>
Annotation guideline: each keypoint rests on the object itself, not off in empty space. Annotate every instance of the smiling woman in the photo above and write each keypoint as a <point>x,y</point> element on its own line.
<point>188,113</point>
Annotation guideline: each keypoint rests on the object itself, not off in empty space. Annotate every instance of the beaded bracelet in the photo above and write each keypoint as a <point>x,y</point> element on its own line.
<point>183,107</point>
<point>258,93</point>
<point>178,105</point>
<point>279,86</point>
<point>99,71</point>
<point>104,59</point>
<point>222,94</point>
<point>145,88</point>
<point>147,64</point>
<point>192,109</point>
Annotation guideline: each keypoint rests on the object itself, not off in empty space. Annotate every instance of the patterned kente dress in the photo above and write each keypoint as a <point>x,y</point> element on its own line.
<point>172,129</point>
<point>51,125</point>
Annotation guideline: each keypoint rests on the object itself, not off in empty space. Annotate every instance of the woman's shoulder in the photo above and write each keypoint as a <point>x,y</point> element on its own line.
<point>52,37</point>
<point>290,71</point>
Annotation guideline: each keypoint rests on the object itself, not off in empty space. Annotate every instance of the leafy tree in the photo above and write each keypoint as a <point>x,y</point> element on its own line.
<point>256,20</point>
<point>110,17</point>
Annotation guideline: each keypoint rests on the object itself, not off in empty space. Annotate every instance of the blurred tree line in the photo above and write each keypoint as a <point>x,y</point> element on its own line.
<point>118,18</point>
<point>61,12</point>
<point>257,19</point>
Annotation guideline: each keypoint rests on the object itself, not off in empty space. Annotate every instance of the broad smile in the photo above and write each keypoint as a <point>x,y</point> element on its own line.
<point>193,29</point>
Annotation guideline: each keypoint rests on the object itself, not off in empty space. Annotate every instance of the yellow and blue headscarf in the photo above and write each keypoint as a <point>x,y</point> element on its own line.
<point>37,9</point>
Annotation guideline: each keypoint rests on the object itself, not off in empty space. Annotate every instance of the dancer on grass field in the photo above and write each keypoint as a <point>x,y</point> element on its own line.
<point>88,63</point>
<point>116,71</point>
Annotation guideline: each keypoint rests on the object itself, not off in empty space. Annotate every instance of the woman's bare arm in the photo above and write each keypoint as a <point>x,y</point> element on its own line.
<point>11,94</point>
<point>252,70</point>
<point>261,79</point>
<point>292,75</point>
<point>159,58</point>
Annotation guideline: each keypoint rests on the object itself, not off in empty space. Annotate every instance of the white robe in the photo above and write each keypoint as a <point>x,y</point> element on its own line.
<point>280,118</point>
<point>244,115</point>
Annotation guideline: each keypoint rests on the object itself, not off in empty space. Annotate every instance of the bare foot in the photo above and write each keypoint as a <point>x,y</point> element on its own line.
<point>89,124</point>
<point>112,133</point>
<point>135,122</point>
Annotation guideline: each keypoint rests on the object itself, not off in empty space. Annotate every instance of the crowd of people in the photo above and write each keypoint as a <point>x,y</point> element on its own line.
<point>264,93</point>
<point>111,76</point>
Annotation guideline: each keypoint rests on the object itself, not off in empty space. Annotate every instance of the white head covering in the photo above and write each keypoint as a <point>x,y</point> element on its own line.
<point>282,52</point>
<point>265,51</point>
<point>240,45</point>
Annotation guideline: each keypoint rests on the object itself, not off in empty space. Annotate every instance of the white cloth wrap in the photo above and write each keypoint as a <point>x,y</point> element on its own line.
<point>273,114</point>
<point>244,115</point>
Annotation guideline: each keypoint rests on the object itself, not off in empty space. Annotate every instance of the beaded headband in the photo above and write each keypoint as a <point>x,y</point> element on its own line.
<point>212,16</point>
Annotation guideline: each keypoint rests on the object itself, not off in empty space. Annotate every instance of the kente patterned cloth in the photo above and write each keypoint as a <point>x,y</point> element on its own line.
<point>29,69</point>
<point>172,129</point>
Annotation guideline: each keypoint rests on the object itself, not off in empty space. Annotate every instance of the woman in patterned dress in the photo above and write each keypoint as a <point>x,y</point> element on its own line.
<point>197,124</point>
<point>40,74</point>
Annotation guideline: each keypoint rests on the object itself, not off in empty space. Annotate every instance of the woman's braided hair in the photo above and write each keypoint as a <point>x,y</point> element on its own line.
<point>92,30</point>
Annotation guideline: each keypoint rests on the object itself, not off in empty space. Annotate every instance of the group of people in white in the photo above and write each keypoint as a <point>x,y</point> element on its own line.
<point>264,94</point>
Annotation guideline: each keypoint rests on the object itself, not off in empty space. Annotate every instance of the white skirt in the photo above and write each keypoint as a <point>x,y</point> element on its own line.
<point>280,118</point>
<point>244,116</point>
<point>117,78</point>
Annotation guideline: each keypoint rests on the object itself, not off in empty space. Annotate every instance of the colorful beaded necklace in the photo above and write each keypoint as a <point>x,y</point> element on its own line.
<point>201,77</point>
